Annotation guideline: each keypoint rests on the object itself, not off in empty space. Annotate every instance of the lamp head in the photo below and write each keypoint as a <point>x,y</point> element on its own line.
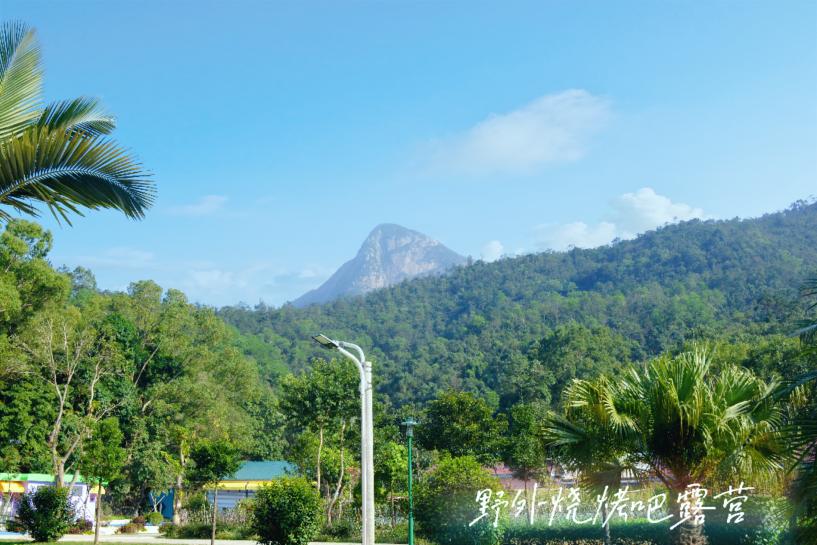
<point>409,424</point>
<point>326,342</point>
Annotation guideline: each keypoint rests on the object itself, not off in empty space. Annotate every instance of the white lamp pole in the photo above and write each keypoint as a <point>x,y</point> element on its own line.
<point>366,429</point>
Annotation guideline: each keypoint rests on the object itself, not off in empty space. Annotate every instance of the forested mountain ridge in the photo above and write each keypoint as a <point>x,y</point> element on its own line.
<point>490,327</point>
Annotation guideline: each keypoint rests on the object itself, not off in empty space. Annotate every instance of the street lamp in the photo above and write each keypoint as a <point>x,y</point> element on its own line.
<point>409,424</point>
<point>366,429</point>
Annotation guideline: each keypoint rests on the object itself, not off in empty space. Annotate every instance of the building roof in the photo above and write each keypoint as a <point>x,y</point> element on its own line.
<point>262,471</point>
<point>37,477</point>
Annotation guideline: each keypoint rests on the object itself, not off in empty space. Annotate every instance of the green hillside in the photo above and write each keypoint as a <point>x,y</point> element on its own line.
<point>499,328</point>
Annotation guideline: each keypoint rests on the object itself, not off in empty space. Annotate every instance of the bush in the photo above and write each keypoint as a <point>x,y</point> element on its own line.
<point>155,518</point>
<point>197,530</point>
<point>46,514</point>
<point>81,526</point>
<point>139,520</point>
<point>13,525</point>
<point>346,529</point>
<point>639,532</point>
<point>287,512</point>
<point>130,528</point>
<point>445,504</point>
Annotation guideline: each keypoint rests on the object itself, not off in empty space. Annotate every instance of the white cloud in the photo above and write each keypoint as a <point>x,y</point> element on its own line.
<point>551,129</point>
<point>576,235</point>
<point>120,257</point>
<point>308,274</point>
<point>645,209</point>
<point>206,205</point>
<point>631,214</point>
<point>213,280</point>
<point>263,280</point>
<point>492,250</point>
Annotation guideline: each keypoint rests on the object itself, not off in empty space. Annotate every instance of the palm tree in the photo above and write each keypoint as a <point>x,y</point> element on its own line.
<point>801,435</point>
<point>581,441</point>
<point>57,154</point>
<point>675,418</point>
<point>801,430</point>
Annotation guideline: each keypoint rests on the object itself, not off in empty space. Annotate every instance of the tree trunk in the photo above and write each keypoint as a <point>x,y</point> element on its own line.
<point>607,540</point>
<point>689,534</point>
<point>177,501</point>
<point>320,449</point>
<point>339,485</point>
<point>97,511</point>
<point>59,474</point>
<point>215,513</point>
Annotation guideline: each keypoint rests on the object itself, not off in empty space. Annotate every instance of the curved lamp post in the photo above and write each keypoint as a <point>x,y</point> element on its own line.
<point>366,429</point>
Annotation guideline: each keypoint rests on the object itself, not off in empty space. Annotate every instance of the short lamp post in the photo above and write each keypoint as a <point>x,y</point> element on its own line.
<point>409,424</point>
<point>366,429</point>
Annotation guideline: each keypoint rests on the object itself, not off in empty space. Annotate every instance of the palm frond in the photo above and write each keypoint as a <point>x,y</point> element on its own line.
<point>81,114</point>
<point>67,171</point>
<point>20,78</point>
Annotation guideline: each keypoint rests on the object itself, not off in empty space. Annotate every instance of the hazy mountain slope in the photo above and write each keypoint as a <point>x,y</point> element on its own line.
<point>388,256</point>
<point>467,328</point>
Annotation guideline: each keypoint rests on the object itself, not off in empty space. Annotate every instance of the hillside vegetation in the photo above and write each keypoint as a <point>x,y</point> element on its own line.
<point>505,329</point>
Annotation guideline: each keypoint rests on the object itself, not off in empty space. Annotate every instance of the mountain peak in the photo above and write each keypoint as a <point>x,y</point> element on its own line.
<point>390,254</point>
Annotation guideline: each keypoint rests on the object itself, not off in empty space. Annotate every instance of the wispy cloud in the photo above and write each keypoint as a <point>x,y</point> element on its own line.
<point>251,283</point>
<point>206,205</point>
<point>630,214</point>
<point>492,250</point>
<point>551,129</point>
<point>120,257</point>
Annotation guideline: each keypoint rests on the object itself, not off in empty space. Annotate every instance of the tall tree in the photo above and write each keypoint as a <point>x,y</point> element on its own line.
<point>683,423</point>
<point>324,398</point>
<point>102,460</point>
<point>523,453</point>
<point>463,425</point>
<point>57,154</point>
<point>73,357</point>
<point>801,429</point>
<point>213,461</point>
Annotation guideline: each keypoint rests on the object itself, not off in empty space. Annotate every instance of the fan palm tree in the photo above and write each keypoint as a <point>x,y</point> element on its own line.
<point>800,433</point>
<point>57,155</point>
<point>675,418</point>
<point>801,430</point>
<point>580,440</point>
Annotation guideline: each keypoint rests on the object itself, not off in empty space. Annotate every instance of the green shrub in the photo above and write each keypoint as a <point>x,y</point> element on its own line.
<point>396,534</point>
<point>639,532</point>
<point>130,528</point>
<point>155,518</point>
<point>13,525</point>
<point>202,530</point>
<point>46,514</point>
<point>446,504</point>
<point>346,529</point>
<point>81,526</point>
<point>287,512</point>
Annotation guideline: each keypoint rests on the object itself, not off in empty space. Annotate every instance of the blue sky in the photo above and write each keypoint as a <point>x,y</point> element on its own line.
<point>280,134</point>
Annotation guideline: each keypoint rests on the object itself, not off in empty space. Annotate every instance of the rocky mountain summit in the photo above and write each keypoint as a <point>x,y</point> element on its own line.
<point>390,254</point>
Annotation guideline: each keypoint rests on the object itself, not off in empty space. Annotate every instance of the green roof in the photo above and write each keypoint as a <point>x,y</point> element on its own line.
<point>262,471</point>
<point>37,477</point>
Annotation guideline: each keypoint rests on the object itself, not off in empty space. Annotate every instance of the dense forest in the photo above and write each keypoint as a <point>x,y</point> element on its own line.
<point>505,329</point>
<point>172,374</point>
